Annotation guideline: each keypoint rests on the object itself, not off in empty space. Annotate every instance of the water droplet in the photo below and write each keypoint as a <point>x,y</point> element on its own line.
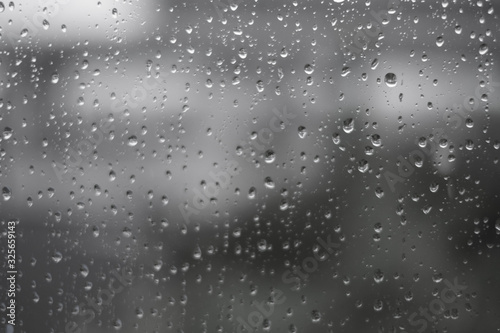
<point>262,245</point>
<point>437,277</point>
<point>117,324</point>
<point>132,141</point>
<point>440,41</point>
<point>427,209</point>
<point>157,265</point>
<point>56,256</point>
<point>7,133</point>
<point>391,80</point>
<point>363,166</point>
<point>54,78</point>
<point>315,314</point>
<point>252,192</point>
<point>139,312</point>
<point>345,71</point>
<point>308,69</point>
<point>348,125</point>
<point>483,49</point>
<point>6,193</point>
<point>197,253</point>
<point>336,138</point>
<point>378,276</point>
<point>126,232</point>
<point>242,53</point>
<point>302,132</point>
<point>284,53</point>
<point>269,183</point>
<point>269,156</point>
<point>260,86</point>
<point>469,144</point>
<point>84,270</point>
<point>95,231</point>
<point>376,140</point>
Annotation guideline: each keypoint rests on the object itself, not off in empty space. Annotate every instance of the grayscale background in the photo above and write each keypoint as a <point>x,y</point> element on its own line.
<point>179,166</point>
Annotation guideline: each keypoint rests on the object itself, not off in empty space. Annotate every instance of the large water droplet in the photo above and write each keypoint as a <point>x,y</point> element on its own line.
<point>7,133</point>
<point>84,270</point>
<point>6,193</point>
<point>56,257</point>
<point>391,80</point>
<point>55,78</point>
<point>269,156</point>
<point>132,141</point>
<point>302,132</point>
<point>483,49</point>
<point>348,125</point>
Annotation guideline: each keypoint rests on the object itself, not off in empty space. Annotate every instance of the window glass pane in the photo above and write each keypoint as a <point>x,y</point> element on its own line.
<point>249,166</point>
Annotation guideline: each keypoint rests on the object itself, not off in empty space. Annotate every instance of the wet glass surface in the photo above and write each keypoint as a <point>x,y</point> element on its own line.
<point>249,166</point>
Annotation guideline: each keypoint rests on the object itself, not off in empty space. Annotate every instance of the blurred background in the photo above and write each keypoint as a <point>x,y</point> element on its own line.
<point>209,149</point>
